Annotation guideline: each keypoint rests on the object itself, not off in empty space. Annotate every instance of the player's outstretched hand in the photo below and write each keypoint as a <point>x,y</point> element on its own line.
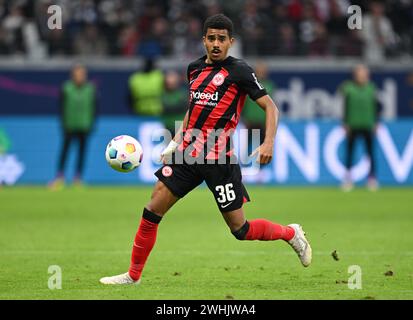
<point>166,154</point>
<point>264,152</point>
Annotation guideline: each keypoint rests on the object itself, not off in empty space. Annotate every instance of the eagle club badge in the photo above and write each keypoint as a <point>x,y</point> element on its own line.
<point>167,171</point>
<point>218,79</point>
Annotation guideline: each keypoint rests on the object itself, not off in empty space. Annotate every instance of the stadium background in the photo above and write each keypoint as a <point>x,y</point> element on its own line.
<point>309,51</point>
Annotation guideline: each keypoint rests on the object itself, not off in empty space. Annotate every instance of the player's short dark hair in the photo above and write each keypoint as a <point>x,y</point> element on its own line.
<point>218,21</point>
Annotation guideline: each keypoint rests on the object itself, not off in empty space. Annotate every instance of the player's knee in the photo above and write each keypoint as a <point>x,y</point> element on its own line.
<point>241,233</point>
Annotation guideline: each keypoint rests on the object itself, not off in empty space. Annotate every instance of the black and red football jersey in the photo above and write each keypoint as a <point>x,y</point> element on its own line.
<point>217,94</point>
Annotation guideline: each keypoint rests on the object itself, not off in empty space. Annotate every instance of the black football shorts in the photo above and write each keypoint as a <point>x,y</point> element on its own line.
<point>224,180</point>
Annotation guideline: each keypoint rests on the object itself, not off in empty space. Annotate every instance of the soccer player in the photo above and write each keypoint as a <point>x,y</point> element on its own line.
<point>218,87</point>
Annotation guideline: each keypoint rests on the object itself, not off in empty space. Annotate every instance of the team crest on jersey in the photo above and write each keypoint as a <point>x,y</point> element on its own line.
<point>218,79</point>
<point>167,171</point>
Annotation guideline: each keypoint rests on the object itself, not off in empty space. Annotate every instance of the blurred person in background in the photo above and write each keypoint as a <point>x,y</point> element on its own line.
<point>128,41</point>
<point>319,46</point>
<point>78,102</point>
<point>175,101</point>
<point>13,24</point>
<point>360,120</point>
<point>59,44</point>
<point>254,118</point>
<point>307,28</point>
<point>4,45</point>
<point>145,90</point>
<point>286,44</point>
<point>90,42</point>
<point>378,33</point>
<point>253,25</point>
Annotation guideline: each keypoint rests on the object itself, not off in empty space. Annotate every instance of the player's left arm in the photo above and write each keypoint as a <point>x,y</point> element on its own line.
<point>248,82</point>
<point>266,150</point>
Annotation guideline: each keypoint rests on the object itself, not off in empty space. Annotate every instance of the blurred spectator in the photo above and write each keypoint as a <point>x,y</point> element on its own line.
<point>295,9</point>
<point>319,45</point>
<point>175,100</point>
<point>58,43</point>
<point>146,89</point>
<point>90,42</point>
<point>307,28</point>
<point>401,17</point>
<point>351,45</point>
<point>83,11</point>
<point>41,17</point>
<point>78,109</point>
<point>191,39</point>
<point>336,25</point>
<point>279,12</point>
<point>360,120</point>
<point>4,43</point>
<point>114,17</point>
<point>13,24</point>
<point>287,43</point>
<point>336,20</point>
<point>252,32</point>
<point>377,33</point>
<point>128,40</point>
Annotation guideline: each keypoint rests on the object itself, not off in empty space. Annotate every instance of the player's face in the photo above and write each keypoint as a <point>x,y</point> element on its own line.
<point>217,43</point>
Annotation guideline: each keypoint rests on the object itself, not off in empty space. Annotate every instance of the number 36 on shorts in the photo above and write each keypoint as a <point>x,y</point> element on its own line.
<point>225,193</point>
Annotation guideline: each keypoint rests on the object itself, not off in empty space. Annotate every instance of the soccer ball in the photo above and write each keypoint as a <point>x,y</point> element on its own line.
<point>124,153</point>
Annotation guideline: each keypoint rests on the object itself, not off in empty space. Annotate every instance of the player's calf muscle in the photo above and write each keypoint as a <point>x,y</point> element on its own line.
<point>234,219</point>
<point>161,200</point>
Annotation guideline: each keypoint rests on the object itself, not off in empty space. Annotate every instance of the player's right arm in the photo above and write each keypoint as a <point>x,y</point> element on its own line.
<point>178,134</point>
<point>170,149</point>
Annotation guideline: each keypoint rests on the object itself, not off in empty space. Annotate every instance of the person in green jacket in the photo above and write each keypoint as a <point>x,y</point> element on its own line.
<point>77,113</point>
<point>360,120</point>
<point>175,101</point>
<point>145,90</point>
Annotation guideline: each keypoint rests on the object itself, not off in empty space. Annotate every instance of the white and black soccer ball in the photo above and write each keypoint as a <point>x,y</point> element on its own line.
<point>124,153</point>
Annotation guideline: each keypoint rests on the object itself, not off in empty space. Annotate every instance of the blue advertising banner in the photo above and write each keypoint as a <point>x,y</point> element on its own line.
<point>305,153</point>
<point>299,94</point>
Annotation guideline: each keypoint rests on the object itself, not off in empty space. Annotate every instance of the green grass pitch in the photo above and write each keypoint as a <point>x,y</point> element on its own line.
<point>89,233</point>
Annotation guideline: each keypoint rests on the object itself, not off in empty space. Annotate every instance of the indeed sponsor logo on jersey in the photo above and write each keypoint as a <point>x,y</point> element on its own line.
<point>204,98</point>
